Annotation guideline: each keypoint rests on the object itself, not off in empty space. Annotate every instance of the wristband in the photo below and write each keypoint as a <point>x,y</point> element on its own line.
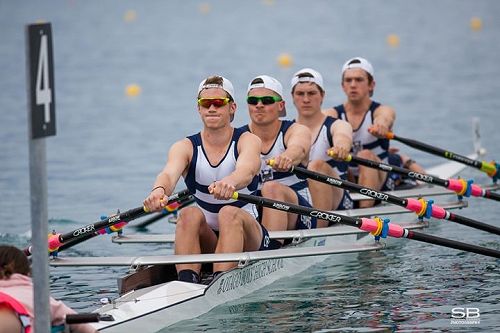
<point>164,191</point>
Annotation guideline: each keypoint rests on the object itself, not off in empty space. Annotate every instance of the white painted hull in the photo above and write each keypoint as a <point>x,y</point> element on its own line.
<point>154,308</point>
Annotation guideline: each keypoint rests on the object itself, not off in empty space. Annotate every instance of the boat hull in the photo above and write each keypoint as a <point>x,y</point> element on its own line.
<point>154,308</point>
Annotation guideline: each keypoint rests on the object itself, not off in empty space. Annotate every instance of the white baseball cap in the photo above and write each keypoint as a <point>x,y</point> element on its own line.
<point>270,83</point>
<point>358,62</point>
<point>314,77</point>
<point>227,86</point>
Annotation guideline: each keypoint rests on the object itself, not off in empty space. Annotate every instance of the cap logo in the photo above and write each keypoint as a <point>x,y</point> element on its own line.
<point>212,85</point>
<point>306,79</point>
<point>257,85</point>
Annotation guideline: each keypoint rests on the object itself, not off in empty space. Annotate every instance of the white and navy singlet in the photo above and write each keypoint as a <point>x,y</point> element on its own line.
<point>362,139</point>
<point>322,143</point>
<point>298,184</point>
<point>267,173</point>
<point>201,174</point>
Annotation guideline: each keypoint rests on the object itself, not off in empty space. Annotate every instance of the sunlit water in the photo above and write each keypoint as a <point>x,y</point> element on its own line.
<point>109,148</point>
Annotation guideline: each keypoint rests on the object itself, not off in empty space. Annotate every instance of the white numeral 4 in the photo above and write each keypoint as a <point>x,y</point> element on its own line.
<point>43,91</point>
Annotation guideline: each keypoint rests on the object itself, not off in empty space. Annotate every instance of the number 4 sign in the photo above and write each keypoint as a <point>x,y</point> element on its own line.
<point>41,80</point>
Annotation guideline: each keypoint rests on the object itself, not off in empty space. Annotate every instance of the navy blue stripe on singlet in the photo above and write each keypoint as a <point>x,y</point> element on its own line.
<point>383,143</point>
<point>190,179</point>
<point>341,166</point>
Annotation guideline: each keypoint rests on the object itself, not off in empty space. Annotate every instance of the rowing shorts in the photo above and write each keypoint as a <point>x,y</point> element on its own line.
<point>346,202</point>
<point>396,181</point>
<point>392,177</point>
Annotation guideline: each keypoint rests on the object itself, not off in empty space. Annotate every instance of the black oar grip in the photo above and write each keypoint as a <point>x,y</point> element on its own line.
<point>81,318</point>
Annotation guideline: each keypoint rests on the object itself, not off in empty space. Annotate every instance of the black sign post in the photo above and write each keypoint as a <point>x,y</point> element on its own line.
<point>41,123</point>
<point>41,81</point>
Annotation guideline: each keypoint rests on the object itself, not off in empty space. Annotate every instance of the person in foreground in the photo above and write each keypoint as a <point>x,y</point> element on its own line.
<point>214,163</point>
<point>371,121</point>
<point>285,143</point>
<point>327,133</point>
<point>16,289</point>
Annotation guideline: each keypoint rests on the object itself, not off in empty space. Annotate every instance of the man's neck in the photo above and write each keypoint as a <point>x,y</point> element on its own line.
<point>218,136</point>
<point>267,132</point>
<point>312,120</point>
<point>358,107</point>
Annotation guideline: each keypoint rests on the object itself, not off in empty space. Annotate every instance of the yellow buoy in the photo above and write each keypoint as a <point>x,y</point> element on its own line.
<point>268,2</point>
<point>133,90</point>
<point>476,24</point>
<point>130,16</point>
<point>204,8</point>
<point>285,60</point>
<point>393,40</point>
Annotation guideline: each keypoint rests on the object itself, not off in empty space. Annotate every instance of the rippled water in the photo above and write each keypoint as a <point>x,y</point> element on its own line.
<point>109,148</point>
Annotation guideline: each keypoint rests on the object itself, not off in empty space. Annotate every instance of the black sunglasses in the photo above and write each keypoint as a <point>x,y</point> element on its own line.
<point>266,100</point>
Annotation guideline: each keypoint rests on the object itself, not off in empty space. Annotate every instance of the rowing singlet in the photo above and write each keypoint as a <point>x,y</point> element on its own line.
<point>322,143</point>
<point>362,139</point>
<point>299,185</point>
<point>201,174</point>
<point>267,173</point>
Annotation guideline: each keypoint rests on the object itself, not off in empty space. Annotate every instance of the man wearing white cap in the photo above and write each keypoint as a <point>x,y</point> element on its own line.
<point>327,133</point>
<point>214,163</point>
<point>286,144</point>
<point>370,121</point>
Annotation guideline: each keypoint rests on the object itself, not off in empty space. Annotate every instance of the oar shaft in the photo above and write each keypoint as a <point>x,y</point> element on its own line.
<point>492,195</point>
<point>350,186</point>
<point>455,185</point>
<point>77,236</point>
<point>489,168</point>
<point>436,151</point>
<point>473,223</point>
<point>402,171</point>
<point>292,208</point>
<point>93,227</point>
<point>414,205</point>
<point>112,220</point>
<point>365,224</point>
<point>426,238</point>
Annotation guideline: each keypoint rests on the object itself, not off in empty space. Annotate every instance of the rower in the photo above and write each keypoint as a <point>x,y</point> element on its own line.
<point>326,133</point>
<point>287,144</point>
<point>214,163</point>
<point>371,121</point>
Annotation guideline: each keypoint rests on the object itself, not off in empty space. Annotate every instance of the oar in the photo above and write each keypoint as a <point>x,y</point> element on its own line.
<point>420,207</point>
<point>175,206</point>
<point>114,222</point>
<point>490,168</point>
<point>460,186</point>
<point>376,227</point>
<point>168,210</point>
